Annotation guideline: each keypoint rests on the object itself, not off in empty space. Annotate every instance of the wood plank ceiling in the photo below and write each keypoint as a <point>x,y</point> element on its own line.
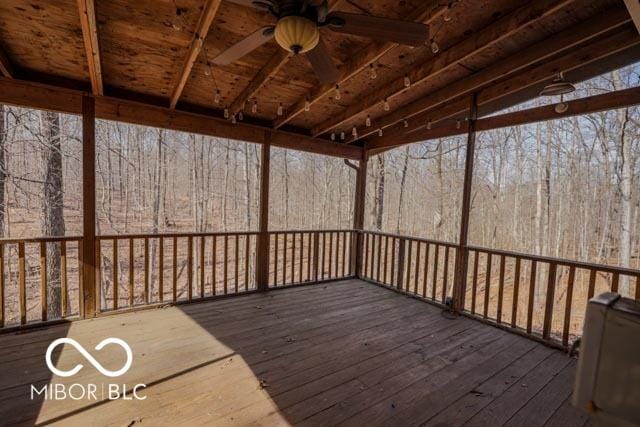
<point>160,52</point>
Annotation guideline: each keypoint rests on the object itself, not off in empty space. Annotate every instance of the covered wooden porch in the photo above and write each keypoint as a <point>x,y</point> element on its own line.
<point>342,352</point>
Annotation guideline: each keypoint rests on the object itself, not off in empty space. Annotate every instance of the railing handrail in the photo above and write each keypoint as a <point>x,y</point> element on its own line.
<point>415,239</point>
<point>559,261</point>
<point>49,239</point>
<point>171,235</point>
<point>320,230</point>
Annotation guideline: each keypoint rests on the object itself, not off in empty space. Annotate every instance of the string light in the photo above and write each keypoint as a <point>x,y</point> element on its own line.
<point>342,136</point>
<point>226,113</point>
<point>254,107</point>
<point>233,119</point>
<point>367,122</point>
<point>354,132</point>
<point>217,96</point>
<point>338,94</point>
<point>407,81</point>
<point>380,132</point>
<point>386,105</point>
<point>458,124</point>
<point>434,46</point>
<point>405,123</point>
<point>333,136</point>
<point>372,72</point>
<point>280,109</point>
<point>240,116</point>
<point>429,125</point>
<point>447,13</point>
<point>307,105</point>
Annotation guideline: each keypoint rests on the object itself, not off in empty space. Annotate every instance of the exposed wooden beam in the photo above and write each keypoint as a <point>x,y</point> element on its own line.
<point>204,24</point>
<point>475,44</point>
<point>634,10</point>
<point>17,92</point>
<point>553,45</point>
<point>271,68</point>
<point>592,104</point>
<point>427,12</point>
<point>87,9</point>
<point>6,69</point>
<point>577,58</point>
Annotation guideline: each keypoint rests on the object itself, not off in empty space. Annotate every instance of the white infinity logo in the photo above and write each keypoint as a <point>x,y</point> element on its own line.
<point>89,357</point>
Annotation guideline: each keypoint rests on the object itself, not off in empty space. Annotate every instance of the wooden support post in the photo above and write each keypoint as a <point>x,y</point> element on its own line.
<point>462,254</point>
<point>358,215</point>
<point>88,256</point>
<point>262,250</point>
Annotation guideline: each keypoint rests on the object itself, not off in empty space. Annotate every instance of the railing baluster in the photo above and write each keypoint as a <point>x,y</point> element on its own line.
<point>202,246</point>
<point>301,256</point>
<point>378,258</point>
<point>146,271</point>
<point>532,292</point>
<point>365,264</point>
<point>161,269</point>
<point>174,285</point>
<point>131,271</point>
<point>400,263</point>
<point>386,260</point>
<point>293,258</point>
<point>2,286</point>
<point>615,282</point>
<point>247,241</point>
<point>407,284</point>
<point>316,255</point>
<point>592,283</point>
<point>275,261</point>
<point>225,266</point>
<point>417,277</point>
<point>638,287</point>
<point>393,266</point>
<point>330,257</point>
<point>474,284</point>
<point>63,278</point>
<point>115,274</point>
<point>344,254</point>
<point>309,259</point>
<point>284,257</point>
<point>43,280</point>
<point>236,268</point>
<point>549,300</point>
<point>190,268</point>
<point>487,285</point>
<point>435,272</point>
<point>516,294</point>
<point>425,277</point>
<point>445,275</point>
<point>22,284</point>
<point>567,306</point>
<point>214,265</point>
<point>500,288</point>
<point>324,254</point>
<point>98,290</point>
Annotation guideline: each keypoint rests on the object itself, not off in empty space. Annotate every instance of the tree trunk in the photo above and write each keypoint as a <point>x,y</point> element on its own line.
<point>53,206</point>
<point>3,169</point>
<point>380,193</point>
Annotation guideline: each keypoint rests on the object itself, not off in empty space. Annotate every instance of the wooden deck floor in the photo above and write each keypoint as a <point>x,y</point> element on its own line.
<point>346,353</point>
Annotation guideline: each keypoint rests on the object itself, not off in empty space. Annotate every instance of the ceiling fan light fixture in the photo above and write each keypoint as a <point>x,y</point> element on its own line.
<point>297,34</point>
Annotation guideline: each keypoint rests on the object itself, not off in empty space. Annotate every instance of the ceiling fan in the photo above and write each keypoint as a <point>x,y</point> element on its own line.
<point>297,30</point>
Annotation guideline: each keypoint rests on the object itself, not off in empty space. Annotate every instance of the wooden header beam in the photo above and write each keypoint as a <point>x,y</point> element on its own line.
<point>475,44</point>
<point>87,9</point>
<point>200,34</point>
<point>592,104</point>
<point>35,95</point>
<point>427,12</point>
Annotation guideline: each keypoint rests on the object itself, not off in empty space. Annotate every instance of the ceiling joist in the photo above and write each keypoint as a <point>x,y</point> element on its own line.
<point>204,24</point>
<point>556,44</point>
<point>87,9</point>
<point>426,13</point>
<point>6,69</point>
<point>444,61</point>
<point>633,7</point>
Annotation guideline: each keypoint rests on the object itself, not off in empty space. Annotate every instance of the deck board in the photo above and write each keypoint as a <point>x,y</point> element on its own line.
<point>337,353</point>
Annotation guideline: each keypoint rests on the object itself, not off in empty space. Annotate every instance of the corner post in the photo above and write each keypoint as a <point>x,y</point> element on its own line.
<point>262,243</point>
<point>462,252</point>
<point>358,214</point>
<point>88,245</point>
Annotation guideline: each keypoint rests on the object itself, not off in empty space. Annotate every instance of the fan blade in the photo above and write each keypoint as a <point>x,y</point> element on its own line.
<point>322,64</point>
<point>390,30</point>
<point>245,46</point>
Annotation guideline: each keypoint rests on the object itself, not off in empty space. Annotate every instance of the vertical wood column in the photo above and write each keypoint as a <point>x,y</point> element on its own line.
<point>358,214</point>
<point>88,252</point>
<point>462,253</point>
<point>262,249</point>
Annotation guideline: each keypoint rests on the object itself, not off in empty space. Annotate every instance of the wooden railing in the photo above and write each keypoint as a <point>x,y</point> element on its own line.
<point>143,269</point>
<point>542,297</point>
<point>28,292</point>
<point>420,267</point>
<point>305,256</point>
